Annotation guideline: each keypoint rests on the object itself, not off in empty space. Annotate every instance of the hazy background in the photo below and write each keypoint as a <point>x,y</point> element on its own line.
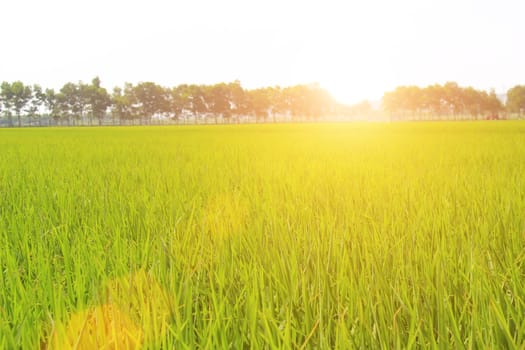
<point>355,49</point>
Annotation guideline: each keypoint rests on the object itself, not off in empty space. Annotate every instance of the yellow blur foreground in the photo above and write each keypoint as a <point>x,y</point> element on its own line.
<point>101,327</point>
<point>137,312</point>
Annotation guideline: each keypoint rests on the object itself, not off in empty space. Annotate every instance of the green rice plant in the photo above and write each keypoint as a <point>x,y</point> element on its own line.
<point>298,236</point>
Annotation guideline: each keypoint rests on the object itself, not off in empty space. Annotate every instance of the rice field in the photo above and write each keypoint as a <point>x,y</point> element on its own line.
<point>291,236</point>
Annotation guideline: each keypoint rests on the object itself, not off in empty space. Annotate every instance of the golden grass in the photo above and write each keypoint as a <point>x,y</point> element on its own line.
<point>101,327</point>
<point>137,312</point>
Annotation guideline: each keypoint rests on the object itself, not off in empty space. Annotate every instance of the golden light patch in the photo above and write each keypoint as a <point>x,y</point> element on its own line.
<point>145,301</point>
<point>102,327</point>
<point>137,312</point>
<point>224,215</point>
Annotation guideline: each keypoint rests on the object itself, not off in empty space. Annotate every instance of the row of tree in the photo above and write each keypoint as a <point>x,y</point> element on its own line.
<point>74,101</point>
<point>450,101</point>
<point>86,104</point>
<point>516,100</point>
<point>146,102</point>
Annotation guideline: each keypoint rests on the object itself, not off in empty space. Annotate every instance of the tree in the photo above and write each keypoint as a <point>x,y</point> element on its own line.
<point>278,102</point>
<point>440,101</point>
<point>259,103</point>
<point>292,101</point>
<point>51,102</point>
<point>472,102</point>
<point>6,96</point>
<point>177,101</point>
<point>14,97</point>
<point>195,99</point>
<point>433,100</point>
<point>404,101</point>
<point>123,103</point>
<point>516,100</point>
<point>491,104</point>
<point>98,100</point>
<point>150,99</point>
<point>21,94</point>
<point>74,101</point>
<point>69,102</point>
<point>218,99</point>
<point>453,99</point>
<point>36,102</point>
<point>238,100</point>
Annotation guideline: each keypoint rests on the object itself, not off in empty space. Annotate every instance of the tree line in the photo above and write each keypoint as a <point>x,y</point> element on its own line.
<point>450,101</point>
<point>148,103</point>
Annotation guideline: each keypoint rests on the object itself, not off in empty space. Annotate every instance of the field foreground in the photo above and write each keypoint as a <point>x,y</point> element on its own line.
<point>264,236</point>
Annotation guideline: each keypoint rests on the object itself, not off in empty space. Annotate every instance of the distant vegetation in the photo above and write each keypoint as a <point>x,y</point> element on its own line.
<point>448,101</point>
<point>149,103</point>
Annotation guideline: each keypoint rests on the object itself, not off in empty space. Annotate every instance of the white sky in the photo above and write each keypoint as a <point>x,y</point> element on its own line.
<point>355,49</point>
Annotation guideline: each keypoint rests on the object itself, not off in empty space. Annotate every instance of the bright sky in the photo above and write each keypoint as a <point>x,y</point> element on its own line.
<point>355,49</point>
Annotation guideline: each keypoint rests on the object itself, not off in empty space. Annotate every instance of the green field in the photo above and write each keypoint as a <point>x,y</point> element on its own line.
<point>305,236</point>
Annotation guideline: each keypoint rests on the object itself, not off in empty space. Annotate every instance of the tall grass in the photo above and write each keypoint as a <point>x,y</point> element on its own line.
<point>265,236</point>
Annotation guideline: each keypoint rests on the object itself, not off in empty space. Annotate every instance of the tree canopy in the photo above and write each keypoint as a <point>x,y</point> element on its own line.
<point>448,101</point>
<point>516,99</point>
<point>147,102</point>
